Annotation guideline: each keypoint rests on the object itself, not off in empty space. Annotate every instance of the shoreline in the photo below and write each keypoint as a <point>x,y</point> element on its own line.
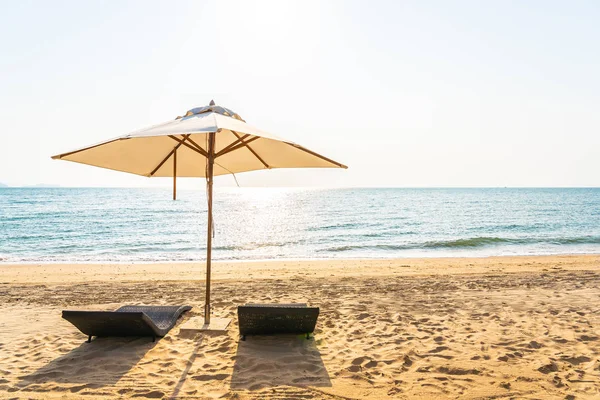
<point>242,270</point>
<point>297,259</point>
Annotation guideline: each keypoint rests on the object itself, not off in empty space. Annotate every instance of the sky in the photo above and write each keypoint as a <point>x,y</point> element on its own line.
<point>406,93</point>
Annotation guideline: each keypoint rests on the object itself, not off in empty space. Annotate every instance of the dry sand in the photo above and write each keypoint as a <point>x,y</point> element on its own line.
<point>506,327</point>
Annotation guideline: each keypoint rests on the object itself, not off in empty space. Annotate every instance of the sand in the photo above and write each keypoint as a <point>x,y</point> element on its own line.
<point>503,327</point>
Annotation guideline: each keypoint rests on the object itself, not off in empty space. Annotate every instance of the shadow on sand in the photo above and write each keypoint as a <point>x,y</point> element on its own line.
<point>193,356</point>
<point>282,360</point>
<point>102,362</point>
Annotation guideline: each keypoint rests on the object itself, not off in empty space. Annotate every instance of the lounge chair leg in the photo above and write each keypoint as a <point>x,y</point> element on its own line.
<point>89,339</point>
<point>153,339</point>
<point>307,336</point>
<point>243,338</point>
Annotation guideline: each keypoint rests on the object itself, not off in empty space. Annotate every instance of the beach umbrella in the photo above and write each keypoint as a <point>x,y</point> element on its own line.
<point>205,142</point>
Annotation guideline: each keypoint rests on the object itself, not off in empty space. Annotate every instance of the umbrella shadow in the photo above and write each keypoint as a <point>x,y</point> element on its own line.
<point>184,374</point>
<point>103,362</point>
<point>282,360</point>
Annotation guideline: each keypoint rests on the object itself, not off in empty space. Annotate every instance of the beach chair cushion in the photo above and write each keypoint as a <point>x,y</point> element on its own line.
<point>257,319</point>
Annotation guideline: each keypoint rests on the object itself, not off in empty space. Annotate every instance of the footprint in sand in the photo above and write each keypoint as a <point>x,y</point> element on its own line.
<point>548,368</point>
<point>216,377</point>
<point>155,394</point>
<point>576,360</point>
<point>359,360</point>
<point>535,345</point>
<point>458,371</point>
<point>438,349</point>
<point>362,316</point>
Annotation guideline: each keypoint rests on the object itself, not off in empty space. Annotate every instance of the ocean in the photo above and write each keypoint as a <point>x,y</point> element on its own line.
<point>146,225</point>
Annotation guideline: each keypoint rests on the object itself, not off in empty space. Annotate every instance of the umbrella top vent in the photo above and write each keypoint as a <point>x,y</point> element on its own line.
<point>212,107</point>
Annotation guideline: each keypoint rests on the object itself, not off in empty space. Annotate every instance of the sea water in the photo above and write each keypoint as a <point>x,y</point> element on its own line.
<point>146,225</point>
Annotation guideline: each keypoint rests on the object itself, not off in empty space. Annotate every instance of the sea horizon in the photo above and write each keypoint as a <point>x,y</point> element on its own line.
<point>218,187</point>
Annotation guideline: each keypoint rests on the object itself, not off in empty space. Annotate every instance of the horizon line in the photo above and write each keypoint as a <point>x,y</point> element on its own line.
<point>50,186</point>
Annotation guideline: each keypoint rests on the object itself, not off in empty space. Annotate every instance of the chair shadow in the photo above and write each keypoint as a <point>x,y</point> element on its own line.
<point>102,362</point>
<point>281,360</point>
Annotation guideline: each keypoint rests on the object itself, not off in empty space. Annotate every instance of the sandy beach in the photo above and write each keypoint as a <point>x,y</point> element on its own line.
<point>499,327</point>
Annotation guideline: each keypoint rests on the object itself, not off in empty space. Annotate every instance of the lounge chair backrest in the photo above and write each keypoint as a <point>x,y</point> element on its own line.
<point>255,319</point>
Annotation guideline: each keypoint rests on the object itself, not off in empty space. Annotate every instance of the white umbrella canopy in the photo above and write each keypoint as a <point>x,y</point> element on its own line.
<point>238,147</point>
<point>205,142</point>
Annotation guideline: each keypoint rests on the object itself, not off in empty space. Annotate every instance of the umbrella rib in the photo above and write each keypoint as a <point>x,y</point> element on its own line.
<point>232,144</point>
<point>185,137</point>
<point>316,155</point>
<point>200,151</point>
<point>196,145</point>
<point>251,150</point>
<point>222,153</point>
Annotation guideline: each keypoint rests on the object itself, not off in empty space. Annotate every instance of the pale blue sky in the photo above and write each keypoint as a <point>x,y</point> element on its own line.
<point>414,93</point>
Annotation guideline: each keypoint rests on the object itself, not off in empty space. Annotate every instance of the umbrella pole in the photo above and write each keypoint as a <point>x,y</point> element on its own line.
<point>210,162</point>
<point>175,175</point>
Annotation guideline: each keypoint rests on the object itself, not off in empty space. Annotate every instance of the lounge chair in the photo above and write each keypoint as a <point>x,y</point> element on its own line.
<point>127,321</point>
<point>264,319</point>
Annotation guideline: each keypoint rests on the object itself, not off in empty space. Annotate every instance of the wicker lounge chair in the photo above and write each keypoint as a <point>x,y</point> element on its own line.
<point>264,319</point>
<point>127,321</point>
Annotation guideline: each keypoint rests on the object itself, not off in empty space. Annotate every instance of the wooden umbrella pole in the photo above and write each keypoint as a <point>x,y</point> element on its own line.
<point>210,161</point>
<point>175,175</point>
